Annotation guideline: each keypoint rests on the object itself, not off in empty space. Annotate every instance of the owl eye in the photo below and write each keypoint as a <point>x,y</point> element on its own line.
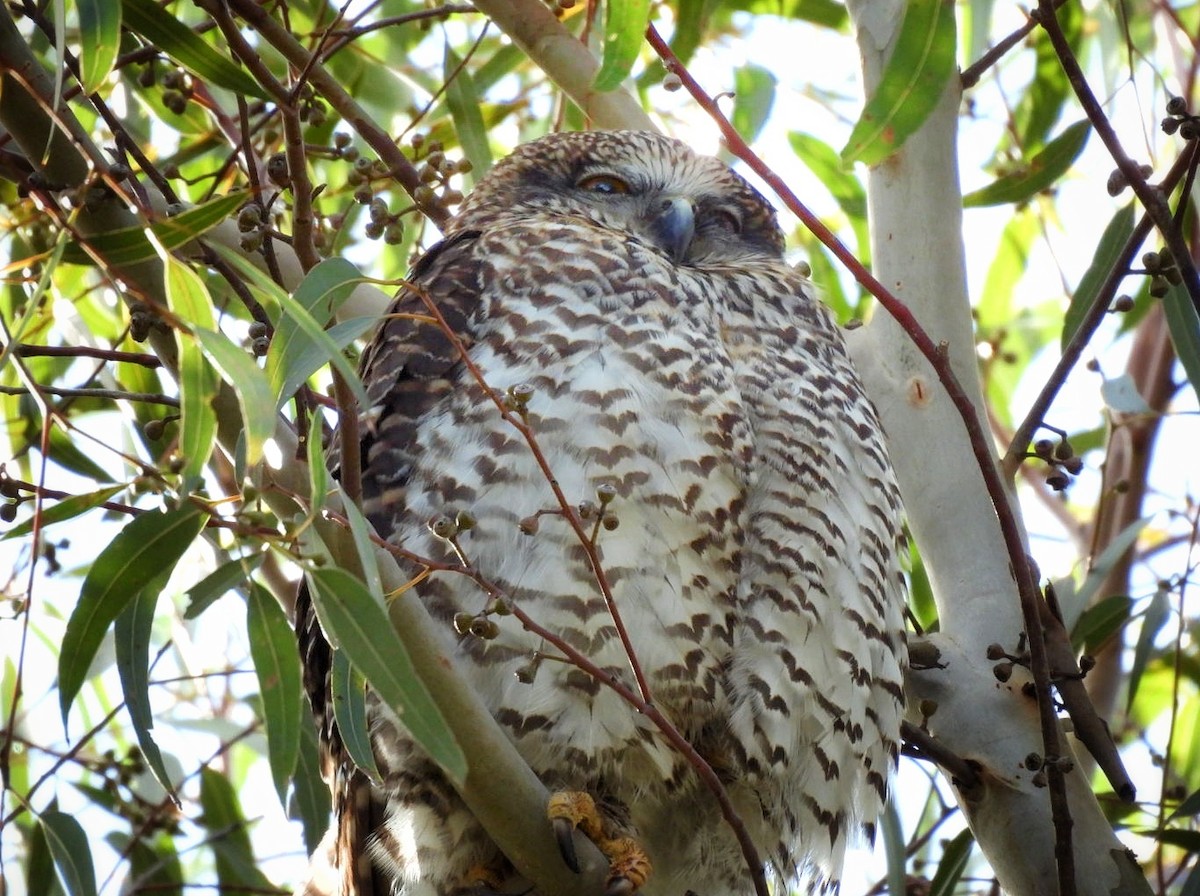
<point>609,184</point>
<point>726,220</point>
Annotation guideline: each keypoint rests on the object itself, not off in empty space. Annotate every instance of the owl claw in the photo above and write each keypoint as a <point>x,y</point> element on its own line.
<point>564,831</point>
<point>628,864</point>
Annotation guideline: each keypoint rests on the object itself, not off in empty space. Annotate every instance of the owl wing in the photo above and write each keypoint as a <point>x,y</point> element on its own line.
<point>409,366</point>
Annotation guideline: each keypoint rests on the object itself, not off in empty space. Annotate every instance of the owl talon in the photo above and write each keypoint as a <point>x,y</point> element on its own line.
<point>564,832</point>
<point>628,864</point>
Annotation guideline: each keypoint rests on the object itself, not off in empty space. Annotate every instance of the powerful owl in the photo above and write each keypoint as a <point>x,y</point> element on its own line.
<point>696,406</point>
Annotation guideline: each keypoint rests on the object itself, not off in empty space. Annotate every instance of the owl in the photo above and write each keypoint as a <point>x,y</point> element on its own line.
<point>696,406</point>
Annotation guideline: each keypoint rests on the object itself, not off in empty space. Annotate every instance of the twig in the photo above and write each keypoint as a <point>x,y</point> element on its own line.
<point>114,394</point>
<point>1152,199</point>
<point>1091,321</point>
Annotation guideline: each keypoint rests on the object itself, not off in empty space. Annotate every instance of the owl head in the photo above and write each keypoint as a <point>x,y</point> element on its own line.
<point>642,185</point>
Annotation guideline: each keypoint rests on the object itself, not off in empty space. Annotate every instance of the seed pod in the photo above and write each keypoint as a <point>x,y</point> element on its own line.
<point>1003,671</point>
<point>482,627</point>
<point>277,170</point>
<point>1058,480</point>
<point>443,527</point>
<point>1176,105</point>
<point>605,492</point>
<point>462,623</point>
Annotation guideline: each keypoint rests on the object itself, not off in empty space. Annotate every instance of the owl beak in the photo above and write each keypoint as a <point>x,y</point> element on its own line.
<point>672,226</point>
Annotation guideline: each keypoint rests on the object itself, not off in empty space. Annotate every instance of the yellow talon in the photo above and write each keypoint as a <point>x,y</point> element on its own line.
<point>628,865</point>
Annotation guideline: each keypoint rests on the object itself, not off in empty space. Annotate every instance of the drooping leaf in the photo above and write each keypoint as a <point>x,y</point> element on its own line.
<point>277,665</point>
<point>844,186</point>
<point>1038,173</point>
<point>254,395</point>
<point>1042,102</point>
<point>1183,324</point>
<point>1100,622</point>
<point>954,860</point>
<point>1153,620</point>
<point>464,103</point>
<point>625,23</point>
<point>893,847</point>
<point>184,46</point>
<point>72,854</point>
<point>219,582</point>
<point>191,303</point>
<point>150,544</point>
<point>132,637</point>
<point>310,802</point>
<point>348,692</point>
<point>130,245</point>
<point>154,864</point>
<point>40,879</point>
<point>911,85</point>
<point>1108,252</point>
<point>301,345</point>
<point>237,870</point>
<point>753,97</point>
<point>67,508</point>
<point>358,623</point>
<point>99,40</point>
<point>1124,541</point>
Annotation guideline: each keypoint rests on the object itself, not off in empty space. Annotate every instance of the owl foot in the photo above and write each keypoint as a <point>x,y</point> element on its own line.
<point>628,864</point>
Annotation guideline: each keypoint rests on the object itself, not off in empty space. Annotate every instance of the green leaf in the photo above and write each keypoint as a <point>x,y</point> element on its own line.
<point>1153,620</point>
<point>310,802</point>
<point>40,879</point>
<point>625,23</point>
<point>465,108</point>
<point>361,627</point>
<point>893,847</point>
<point>1184,327</point>
<point>753,97</point>
<point>191,304</point>
<point>130,245</point>
<point>184,46</point>
<point>300,345</point>
<point>277,665</point>
<point>99,40</point>
<point>954,860</point>
<point>150,544</point>
<point>220,582</point>
<point>155,867</point>
<point>1108,253</point>
<point>237,870</point>
<point>72,855</point>
<point>1038,173</point>
<point>67,508</point>
<point>912,83</point>
<point>348,692</point>
<point>1124,541</point>
<point>132,637</point>
<point>249,383</point>
<point>1189,807</point>
<point>1100,622</point>
<point>1043,99</point>
<point>845,187</point>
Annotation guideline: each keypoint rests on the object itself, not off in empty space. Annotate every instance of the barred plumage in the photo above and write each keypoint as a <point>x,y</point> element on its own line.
<point>641,291</point>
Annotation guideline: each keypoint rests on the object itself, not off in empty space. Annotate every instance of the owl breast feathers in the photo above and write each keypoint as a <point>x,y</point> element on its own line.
<point>674,363</point>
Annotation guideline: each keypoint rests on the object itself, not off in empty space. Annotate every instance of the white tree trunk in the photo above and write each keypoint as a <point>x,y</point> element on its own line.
<point>915,211</point>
